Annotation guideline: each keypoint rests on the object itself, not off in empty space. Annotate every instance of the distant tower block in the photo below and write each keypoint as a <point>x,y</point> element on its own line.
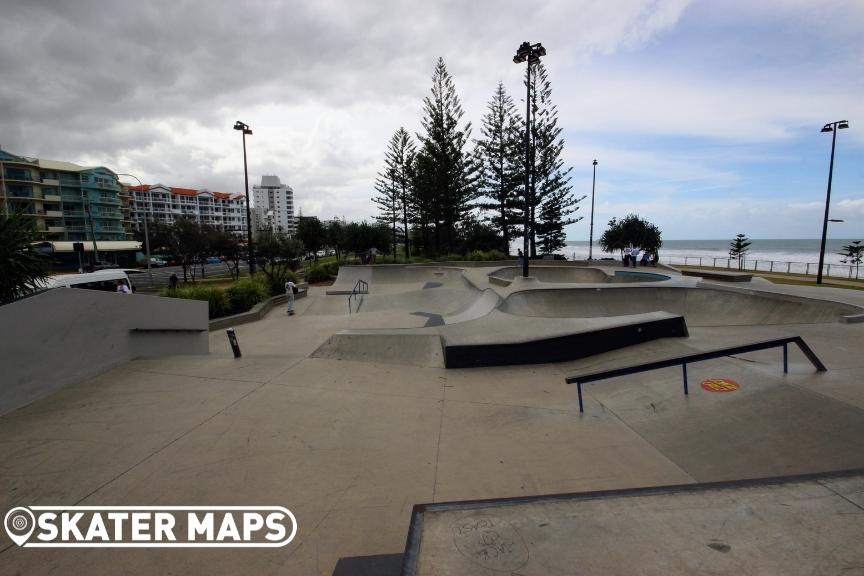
<point>273,206</point>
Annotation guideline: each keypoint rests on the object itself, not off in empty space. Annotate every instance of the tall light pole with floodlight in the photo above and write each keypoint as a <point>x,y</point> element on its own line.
<point>530,53</point>
<point>244,128</point>
<point>591,230</point>
<point>146,232</point>
<point>831,127</point>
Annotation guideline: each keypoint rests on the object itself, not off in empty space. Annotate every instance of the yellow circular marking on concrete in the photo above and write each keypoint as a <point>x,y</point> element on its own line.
<point>720,385</point>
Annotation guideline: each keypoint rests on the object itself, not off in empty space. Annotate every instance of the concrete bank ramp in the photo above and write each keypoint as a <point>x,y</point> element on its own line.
<point>701,306</point>
<point>574,275</point>
<point>497,339</point>
<point>794,526</point>
<point>436,301</point>
<point>382,276</point>
<point>387,347</point>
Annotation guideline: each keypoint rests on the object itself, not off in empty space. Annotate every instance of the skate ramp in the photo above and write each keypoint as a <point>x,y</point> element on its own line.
<point>389,278</point>
<point>436,301</point>
<point>574,275</point>
<point>497,339</point>
<point>387,347</point>
<point>701,306</point>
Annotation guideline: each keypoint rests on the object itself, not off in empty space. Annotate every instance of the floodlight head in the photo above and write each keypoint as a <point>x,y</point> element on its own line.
<point>518,59</point>
<point>595,162</point>
<point>240,126</point>
<point>827,128</point>
<point>539,50</point>
<point>247,131</point>
<point>843,124</point>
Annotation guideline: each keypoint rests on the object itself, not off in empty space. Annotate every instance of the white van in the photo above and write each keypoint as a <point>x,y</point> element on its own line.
<point>105,280</point>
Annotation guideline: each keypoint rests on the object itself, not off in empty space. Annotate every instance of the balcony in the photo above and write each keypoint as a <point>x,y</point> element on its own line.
<point>53,213</point>
<point>50,182</point>
<point>52,198</point>
<point>56,229</point>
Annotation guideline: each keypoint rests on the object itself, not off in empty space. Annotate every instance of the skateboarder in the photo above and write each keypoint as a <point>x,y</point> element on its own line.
<point>290,290</point>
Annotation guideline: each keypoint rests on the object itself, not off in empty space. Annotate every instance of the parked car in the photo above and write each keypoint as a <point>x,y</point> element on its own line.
<point>100,265</point>
<point>158,263</point>
<point>214,260</point>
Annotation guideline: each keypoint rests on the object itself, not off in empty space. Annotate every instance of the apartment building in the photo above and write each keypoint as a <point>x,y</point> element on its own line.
<point>67,202</point>
<point>273,206</point>
<point>164,204</point>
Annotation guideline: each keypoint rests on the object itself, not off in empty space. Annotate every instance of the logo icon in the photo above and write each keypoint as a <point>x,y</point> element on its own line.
<point>720,385</point>
<point>19,523</point>
<point>150,526</point>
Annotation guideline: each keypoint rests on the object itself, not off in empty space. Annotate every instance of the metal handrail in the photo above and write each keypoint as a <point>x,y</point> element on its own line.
<point>361,287</point>
<point>698,357</point>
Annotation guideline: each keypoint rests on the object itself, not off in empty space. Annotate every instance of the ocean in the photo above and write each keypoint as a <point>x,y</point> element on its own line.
<point>792,255</point>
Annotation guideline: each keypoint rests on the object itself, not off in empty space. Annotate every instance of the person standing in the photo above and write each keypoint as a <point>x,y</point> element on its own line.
<point>634,256</point>
<point>290,290</point>
<point>627,253</point>
<point>172,281</point>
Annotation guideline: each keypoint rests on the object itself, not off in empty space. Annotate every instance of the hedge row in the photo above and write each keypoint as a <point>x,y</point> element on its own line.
<point>237,298</point>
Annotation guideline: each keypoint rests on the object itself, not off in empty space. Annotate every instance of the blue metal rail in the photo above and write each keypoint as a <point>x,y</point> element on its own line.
<point>699,357</point>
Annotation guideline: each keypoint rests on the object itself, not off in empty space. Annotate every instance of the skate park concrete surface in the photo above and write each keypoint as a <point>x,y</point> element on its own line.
<point>351,446</point>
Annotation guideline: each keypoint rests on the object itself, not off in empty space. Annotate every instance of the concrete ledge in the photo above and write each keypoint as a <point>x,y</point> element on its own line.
<point>256,312</point>
<point>722,276</point>
<point>740,527</point>
<point>561,348</point>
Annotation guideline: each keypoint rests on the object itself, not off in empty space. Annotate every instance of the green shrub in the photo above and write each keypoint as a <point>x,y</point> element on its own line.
<point>246,293</point>
<point>321,272</point>
<point>276,284</point>
<point>217,301</point>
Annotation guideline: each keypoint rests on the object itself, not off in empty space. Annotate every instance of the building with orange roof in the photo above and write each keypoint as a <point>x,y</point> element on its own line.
<point>164,204</point>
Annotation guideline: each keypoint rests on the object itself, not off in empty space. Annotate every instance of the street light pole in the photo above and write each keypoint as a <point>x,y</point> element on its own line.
<point>527,53</point>
<point>831,127</point>
<point>251,252</point>
<point>146,232</point>
<point>591,231</point>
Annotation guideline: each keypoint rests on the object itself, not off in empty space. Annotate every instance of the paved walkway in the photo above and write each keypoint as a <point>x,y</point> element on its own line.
<point>350,447</point>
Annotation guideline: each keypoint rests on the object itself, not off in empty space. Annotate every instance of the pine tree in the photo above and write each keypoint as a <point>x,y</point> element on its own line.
<point>552,203</point>
<point>739,246</point>
<point>388,203</point>
<point>394,186</point>
<point>500,162</point>
<point>449,175</point>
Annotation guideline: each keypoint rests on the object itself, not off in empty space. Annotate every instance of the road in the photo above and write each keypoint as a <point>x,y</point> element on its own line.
<point>161,275</point>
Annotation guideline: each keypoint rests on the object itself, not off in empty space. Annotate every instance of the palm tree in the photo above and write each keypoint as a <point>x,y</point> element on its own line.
<point>21,266</point>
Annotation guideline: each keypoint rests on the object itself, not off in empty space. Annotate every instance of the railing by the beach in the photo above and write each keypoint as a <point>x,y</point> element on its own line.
<point>849,271</point>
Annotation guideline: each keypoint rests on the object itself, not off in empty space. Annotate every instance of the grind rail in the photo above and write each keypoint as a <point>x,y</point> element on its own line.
<point>698,357</point>
<point>361,287</point>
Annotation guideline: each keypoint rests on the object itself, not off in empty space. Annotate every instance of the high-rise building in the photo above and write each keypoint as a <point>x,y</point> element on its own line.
<point>66,201</point>
<point>164,204</point>
<point>273,204</point>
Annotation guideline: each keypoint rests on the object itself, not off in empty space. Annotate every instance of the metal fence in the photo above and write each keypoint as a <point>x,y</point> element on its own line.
<point>849,271</point>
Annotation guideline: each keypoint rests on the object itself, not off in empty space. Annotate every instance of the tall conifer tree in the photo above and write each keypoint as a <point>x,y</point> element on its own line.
<point>448,178</point>
<point>500,152</point>
<point>394,186</point>
<point>552,202</point>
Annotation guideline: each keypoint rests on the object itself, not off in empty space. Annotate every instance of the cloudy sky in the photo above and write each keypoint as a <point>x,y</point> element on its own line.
<point>704,116</point>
